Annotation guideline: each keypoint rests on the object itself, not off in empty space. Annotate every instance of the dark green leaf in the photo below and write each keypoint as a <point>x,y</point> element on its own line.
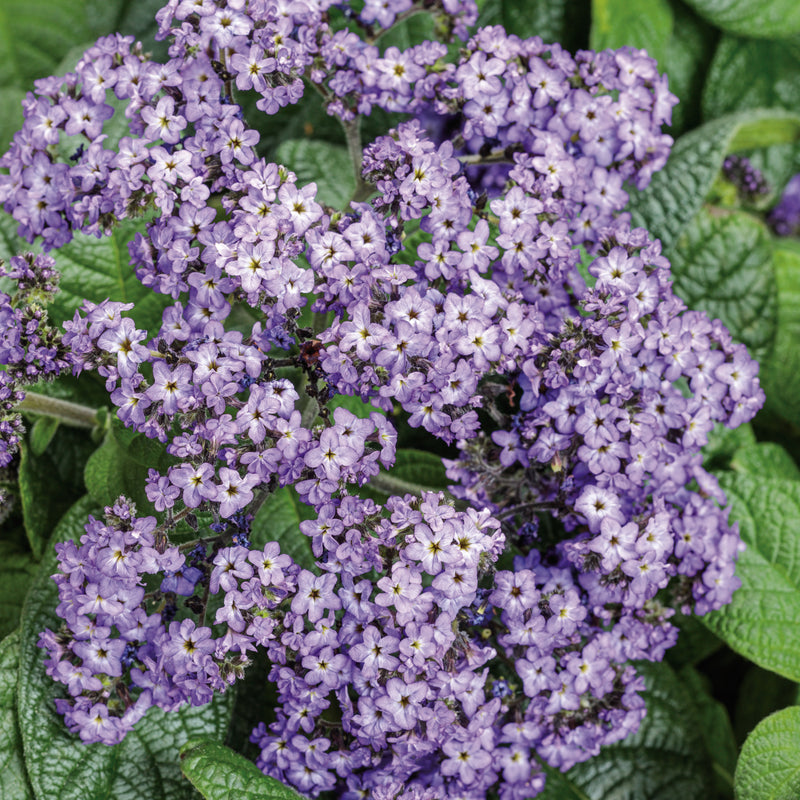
<point>695,642</point>
<point>145,765</point>
<point>685,61</point>
<point>766,460</point>
<point>120,466</point>
<point>42,433</point>
<point>767,19</point>
<point>677,192</point>
<point>328,165</point>
<point>355,405</point>
<point>769,765</point>
<point>664,759</point>
<point>639,23</point>
<point>17,571</point>
<point>13,779</point>
<point>562,21</point>
<point>219,773</point>
<point>722,264</point>
<point>751,73</point>
<point>724,442</point>
<point>96,269</point>
<point>11,119</point>
<point>278,520</point>
<point>761,621</point>
<point>780,372</point>
<point>761,692</point>
<point>715,728</point>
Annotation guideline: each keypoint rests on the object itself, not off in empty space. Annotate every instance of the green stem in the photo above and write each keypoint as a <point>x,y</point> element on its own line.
<point>65,412</point>
<point>352,132</point>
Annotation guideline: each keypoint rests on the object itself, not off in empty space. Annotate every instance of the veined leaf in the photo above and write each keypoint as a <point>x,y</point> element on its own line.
<point>761,621</point>
<point>219,773</point>
<point>768,19</point>
<point>765,460</point>
<point>328,165</point>
<point>278,520</point>
<point>13,779</point>
<point>769,764</point>
<point>639,23</point>
<point>722,264</point>
<point>17,571</point>
<point>59,766</point>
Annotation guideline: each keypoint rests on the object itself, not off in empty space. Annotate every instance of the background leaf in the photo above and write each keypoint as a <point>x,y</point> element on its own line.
<point>17,571</point>
<point>769,765</point>
<point>562,21</point>
<point>638,23</point>
<point>13,779</point>
<point>722,264</point>
<point>766,460</point>
<point>761,621</point>
<point>414,471</point>
<point>278,520</point>
<point>752,73</point>
<point>219,773</point>
<point>59,766</point>
<point>764,19</point>
<point>328,165</point>
<point>677,192</point>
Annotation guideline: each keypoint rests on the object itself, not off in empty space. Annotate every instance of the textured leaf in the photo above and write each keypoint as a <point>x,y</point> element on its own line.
<point>355,405</point>
<point>145,765</point>
<point>780,372</point>
<point>13,779</point>
<point>666,758</point>
<point>562,21</point>
<point>120,466</point>
<point>715,728</point>
<point>639,23</point>
<point>42,434</point>
<point>219,773</point>
<point>17,571</point>
<point>327,165</point>
<point>763,19</point>
<point>695,642</point>
<point>278,520</point>
<point>11,120</point>
<point>761,621</point>
<point>766,460</point>
<point>676,193</point>
<point>96,269</point>
<point>769,765</point>
<point>724,442</point>
<point>685,61</point>
<point>751,73</point>
<point>723,265</point>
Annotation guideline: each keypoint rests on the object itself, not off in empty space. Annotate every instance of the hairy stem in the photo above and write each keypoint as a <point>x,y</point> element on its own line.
<point>67,413</point>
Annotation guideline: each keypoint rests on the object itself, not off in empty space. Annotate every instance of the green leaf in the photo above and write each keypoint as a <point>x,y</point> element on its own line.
<point>780,372</point>
<point>761,621</point>
<point>11,120</point>
<point>639,23</point>
<point>695,642</point>
<point>58,764</point>
<point>355,405</point>
<point>722,264</point>
<point>751,73</point>
<point>724,442</point>
<point>219,773</point>
<point>677,192</point>
<point>13,779</point>
<point>562,21</point>
<point>760,693</point>
<point>120,466</point>
<point>766,460</point>
<point>42,434</point>
<point>715,728</point>
<point>278,520</point>
<point>414,471</point>
<point>96,269</point>
<point>328,165</point>
<point>17,571</point>
<point>765,19</point>
<point>665,758</point>
<point>43,500</point>
<point>685,61</point>
<point>769,765</point>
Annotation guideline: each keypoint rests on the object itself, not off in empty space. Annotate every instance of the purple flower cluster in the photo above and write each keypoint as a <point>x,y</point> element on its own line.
<point>750,182</point>
<point>492,292</point>
<point>120,651</point>
<point>30,348</point>
<point>785,217</point>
